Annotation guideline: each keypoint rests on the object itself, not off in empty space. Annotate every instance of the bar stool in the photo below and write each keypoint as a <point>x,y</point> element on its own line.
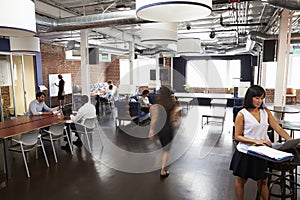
<point>284,176</point>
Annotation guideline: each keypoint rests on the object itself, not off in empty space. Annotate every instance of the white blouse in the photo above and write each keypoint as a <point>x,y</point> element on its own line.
<point>254,129</point>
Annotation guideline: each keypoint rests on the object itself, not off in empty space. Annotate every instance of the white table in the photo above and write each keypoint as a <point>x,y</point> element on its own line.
<point>218,102</point>
<point>185,101</point>
<point>204,95</point>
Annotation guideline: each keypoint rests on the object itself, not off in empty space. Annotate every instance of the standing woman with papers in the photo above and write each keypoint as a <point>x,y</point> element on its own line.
<point>251,125</point>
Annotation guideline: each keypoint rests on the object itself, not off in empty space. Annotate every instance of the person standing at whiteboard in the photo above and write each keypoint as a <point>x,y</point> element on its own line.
<point>61,91</point>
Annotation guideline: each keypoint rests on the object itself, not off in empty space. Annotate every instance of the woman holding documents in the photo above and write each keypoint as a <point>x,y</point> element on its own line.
<point>251,125</point>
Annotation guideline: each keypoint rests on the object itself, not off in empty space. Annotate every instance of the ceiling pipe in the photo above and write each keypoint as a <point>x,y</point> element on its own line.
<point>259,36</point>
<point>287,4</point>
<point>273,18</point>
<point>228,1</point>
<point>74,45</point>
<point>242,24</point>
<point>96,21</point>
<point>89,21</point>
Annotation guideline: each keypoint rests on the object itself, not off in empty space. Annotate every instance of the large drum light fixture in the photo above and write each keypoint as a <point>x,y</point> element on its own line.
<point>159,33</point>
<point>17,18</point>
<point>173,11</point>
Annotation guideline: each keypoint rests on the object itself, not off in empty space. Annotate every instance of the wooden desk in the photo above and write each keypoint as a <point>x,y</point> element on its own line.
<point>26,124</point>
<point>21,120</point>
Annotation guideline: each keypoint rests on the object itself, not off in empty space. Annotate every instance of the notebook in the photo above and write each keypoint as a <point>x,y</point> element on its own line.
<point>289,144</point>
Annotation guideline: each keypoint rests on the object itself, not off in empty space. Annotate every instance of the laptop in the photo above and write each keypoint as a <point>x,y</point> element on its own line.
<point>67,111</point>
<point>289,144</point>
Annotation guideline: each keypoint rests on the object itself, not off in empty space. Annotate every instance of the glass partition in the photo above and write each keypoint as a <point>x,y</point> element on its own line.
<point>7,107</point>
<point>17,84</point>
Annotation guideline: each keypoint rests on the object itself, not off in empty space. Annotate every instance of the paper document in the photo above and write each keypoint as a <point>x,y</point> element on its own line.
<point>268,152</point>
<point>56,111</point>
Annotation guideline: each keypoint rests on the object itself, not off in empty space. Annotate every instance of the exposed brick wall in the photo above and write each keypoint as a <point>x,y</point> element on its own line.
<point>54,62</point>
<point>270,94</point>
<point>112,71</point>
<point>6,100</point>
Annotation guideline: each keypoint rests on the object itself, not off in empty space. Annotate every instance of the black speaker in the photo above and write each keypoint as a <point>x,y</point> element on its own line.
<point>93,56</point>
<point>269,50</point>
<point>161,61</point>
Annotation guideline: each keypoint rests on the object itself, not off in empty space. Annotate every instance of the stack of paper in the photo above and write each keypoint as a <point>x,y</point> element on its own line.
<point>269,153</point>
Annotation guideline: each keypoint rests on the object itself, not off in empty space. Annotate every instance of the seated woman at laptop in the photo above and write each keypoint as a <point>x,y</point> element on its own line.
<point>144,101</point>
<point>251,125</point>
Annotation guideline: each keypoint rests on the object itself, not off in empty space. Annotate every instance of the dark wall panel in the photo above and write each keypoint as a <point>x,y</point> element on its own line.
<point>93,56</point>
<point>4,45</point>
<point>269,50</point>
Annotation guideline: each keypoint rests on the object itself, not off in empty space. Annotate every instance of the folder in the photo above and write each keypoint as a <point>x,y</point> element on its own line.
<point>270,154</point>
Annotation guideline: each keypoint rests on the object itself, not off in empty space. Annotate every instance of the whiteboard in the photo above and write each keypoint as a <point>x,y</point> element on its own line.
<point>53,89</point>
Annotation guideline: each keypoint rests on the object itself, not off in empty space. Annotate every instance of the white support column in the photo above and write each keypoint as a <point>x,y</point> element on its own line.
<point>85,68</point>
<point>172,75</point>
<point>263,74</point>
<point>157,72</point>
<point>131,62</point>
<point>282,55</point>
<point>24,83</point>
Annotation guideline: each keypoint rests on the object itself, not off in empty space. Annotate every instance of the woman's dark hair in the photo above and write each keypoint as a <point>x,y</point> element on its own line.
<point>145,92</point>
<point>165,98</point>
<point>253,91</point>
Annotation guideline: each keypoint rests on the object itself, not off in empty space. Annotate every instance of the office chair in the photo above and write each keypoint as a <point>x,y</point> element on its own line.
<point>55,133</point>
<point>28,142</point>
<point>87,127</point>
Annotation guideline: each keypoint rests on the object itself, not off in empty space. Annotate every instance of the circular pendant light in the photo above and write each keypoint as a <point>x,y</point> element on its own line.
<point>173,11</point>
<point>17,18</point>
<point>159,33</point>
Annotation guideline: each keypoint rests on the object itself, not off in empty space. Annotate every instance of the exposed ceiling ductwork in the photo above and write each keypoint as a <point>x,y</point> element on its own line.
<point>288,4</point>
<point>230,21</point>
<point>240,24</point>
<point>259,36</point>
<point>90,21</point>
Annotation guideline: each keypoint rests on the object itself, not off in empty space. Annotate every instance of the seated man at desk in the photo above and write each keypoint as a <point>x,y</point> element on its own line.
<point>104,97</point>
<point>87,110</point>
<point>38,106</point>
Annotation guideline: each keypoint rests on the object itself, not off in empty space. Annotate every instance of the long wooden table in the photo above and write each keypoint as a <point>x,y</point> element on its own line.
<point>22,125</point>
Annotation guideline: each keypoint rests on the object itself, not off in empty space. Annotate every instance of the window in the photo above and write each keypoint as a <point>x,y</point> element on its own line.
<point>141,71</point>
<point>270,71</point>
<point>212,73</point>
<point>294,71</point>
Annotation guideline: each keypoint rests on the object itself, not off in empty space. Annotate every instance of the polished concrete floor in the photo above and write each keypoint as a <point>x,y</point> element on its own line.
<point>126,166</point>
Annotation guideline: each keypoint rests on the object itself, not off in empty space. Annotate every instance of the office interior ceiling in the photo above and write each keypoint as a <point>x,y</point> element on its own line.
<point>112,25</point>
